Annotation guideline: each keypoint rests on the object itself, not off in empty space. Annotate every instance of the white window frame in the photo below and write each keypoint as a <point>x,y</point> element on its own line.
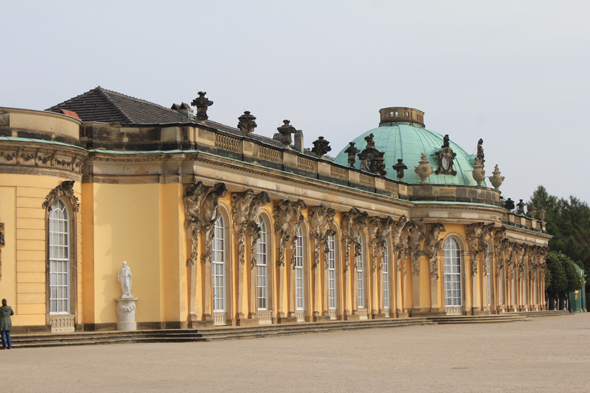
<point>218,265</point>
<point>360,279</point>
<point>453,273</point>
<point>59,259</point>
<point>385,273</point>
<point>331,272</point>
<point>488,261</point>
<point>298,271</point>
<point>262,267</point>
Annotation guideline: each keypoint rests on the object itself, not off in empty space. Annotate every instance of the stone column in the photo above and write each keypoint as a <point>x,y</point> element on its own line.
<point>401,276</point>
<point>281,287</point>
<point>316,282</point>
<point>435,288</point>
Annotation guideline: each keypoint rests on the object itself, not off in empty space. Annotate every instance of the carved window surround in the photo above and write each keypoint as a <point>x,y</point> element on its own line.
<point>64,192</point>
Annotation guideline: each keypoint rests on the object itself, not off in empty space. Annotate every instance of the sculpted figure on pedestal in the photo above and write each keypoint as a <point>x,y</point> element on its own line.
<point>125,280</point>
<point>432,246</point>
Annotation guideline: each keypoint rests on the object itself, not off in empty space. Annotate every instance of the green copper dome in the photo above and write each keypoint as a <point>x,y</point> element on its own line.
<point>401,134</point>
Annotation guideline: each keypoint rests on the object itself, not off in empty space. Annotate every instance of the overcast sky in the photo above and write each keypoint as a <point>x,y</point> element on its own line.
<point>515,73</point>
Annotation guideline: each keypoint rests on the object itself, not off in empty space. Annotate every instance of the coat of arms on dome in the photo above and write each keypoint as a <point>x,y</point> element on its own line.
<point>446,157</point>
<point>372,159</point>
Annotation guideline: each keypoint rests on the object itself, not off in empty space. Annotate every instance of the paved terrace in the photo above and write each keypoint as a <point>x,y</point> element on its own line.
<point>545,354</point>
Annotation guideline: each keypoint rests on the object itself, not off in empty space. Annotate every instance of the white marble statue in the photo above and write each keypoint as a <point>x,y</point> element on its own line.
<point>125,280</point>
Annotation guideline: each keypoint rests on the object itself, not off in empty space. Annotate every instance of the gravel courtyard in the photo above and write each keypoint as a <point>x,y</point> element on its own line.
<point>546,354</point>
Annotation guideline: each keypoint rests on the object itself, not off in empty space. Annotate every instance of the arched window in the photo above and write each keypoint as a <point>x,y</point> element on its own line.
<point>59,258</point>
<point>262,267</point>
<point>218,262</point>
<point>299,293</point>
<point>453,297</point>
<point>331,272</point>
<point>385,271</point>
<point>360,277</point>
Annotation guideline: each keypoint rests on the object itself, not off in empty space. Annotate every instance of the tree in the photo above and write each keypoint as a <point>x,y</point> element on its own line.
<point>568,220</point>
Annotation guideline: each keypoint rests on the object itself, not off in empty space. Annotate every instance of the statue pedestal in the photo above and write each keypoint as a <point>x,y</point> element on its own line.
<point>126,311</point>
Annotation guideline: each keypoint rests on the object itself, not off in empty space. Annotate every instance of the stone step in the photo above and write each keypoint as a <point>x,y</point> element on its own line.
<point>245,332</point>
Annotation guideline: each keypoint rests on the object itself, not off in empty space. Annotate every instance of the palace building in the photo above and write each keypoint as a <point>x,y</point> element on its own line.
<point>222,226</point>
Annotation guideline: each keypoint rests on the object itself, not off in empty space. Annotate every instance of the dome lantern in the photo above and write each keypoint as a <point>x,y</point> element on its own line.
<point>399,114</point>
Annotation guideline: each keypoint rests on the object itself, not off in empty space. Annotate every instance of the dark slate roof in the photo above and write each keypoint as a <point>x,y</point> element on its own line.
<point>101,105</point>
<point>106,106</point>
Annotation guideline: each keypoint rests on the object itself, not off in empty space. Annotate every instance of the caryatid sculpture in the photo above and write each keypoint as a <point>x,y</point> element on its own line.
<point>261,199</point>
<point>209,214</point>
<point>379,230</point>
<point>193,195</point>
<point>287,216</point>
<point>125,280</point>
<point>473,234</point>
<point>296,219</point>
<point>432,246</point>
<point>399,245</point>
<point>319,223</point>
<point>352,222</point>
<point>240,203</point>
<point>415,236</point>
<point>499,247</point>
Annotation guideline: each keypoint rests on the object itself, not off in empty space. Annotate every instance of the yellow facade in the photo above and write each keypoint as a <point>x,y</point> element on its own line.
<point>131,207</point>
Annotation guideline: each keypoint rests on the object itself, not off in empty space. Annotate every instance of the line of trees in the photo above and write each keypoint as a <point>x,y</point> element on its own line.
<point>568,221</point>
<point>561,278</point>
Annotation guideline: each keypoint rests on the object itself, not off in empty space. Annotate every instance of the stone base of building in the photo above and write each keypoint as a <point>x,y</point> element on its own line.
<point>378,316</point>
<point>321,318</point>
<point>283,320</point>
<point>247,322</point>
<point>205,323</point>
<point>402,314</point>
<point>427,312</point>
<point>351,317</point>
